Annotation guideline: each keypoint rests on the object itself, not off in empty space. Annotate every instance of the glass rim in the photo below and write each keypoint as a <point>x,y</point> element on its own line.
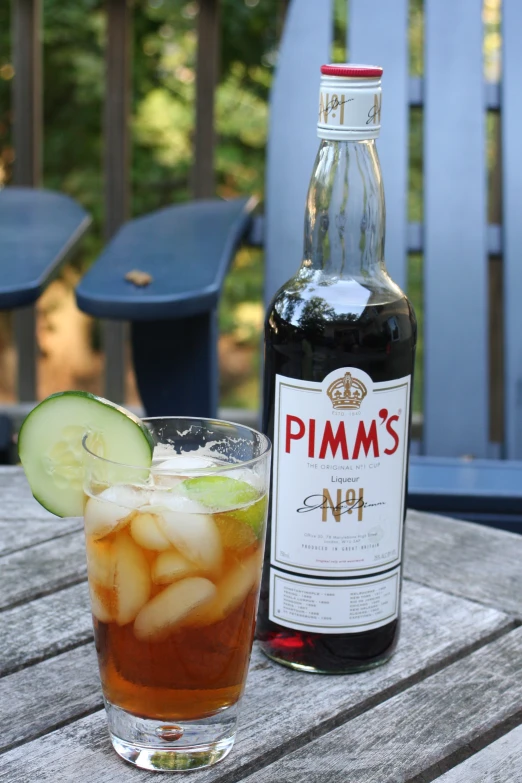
<point>266,445</point>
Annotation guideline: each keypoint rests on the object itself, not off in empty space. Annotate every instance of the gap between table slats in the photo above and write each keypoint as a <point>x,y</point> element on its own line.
<point>500,762</point>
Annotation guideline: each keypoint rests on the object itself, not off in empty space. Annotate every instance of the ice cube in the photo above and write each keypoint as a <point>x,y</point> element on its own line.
<point>146,532</point>
<point>176,500</point>
<point>99,607</point>
<point>172,470</point>
<point>195,536</point>
<point>132,583</point>
<point>166,480</point>
<point>231,592</point>
<point>182,462</point>
<point>167,610</point>
<point>100,562</point>
<point>170,566</point>
<point>111,509</point>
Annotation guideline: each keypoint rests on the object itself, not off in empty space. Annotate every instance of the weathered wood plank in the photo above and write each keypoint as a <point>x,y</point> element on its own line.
<point>421,732</point>
<point>282,708</point>
<point>42,569</point>
<point>500,762</point>
<point>44,627</point>
<point>465,559</point>
<point>24,522</point>
<point>40,698</point>
<point>27,532</point>
<point>17,500</point>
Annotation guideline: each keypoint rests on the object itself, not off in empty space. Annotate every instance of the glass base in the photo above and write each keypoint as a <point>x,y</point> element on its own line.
<point>172,746</point>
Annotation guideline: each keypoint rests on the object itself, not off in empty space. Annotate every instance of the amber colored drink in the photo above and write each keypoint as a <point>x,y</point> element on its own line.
<point>174,560</point>
<point>196,664</point>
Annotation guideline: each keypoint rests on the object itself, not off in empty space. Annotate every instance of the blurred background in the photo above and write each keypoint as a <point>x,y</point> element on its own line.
<point>162,170</point>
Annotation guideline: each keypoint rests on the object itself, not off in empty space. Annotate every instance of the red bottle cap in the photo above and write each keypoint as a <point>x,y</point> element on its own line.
<point>349,70</point>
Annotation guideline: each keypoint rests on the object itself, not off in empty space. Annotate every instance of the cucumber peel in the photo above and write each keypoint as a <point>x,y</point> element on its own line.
<point>51,451</point>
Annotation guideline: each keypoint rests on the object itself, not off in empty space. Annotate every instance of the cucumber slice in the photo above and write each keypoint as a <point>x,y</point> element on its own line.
<point>51,451</point>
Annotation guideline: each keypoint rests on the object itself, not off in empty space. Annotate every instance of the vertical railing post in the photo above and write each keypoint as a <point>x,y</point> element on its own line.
<point>207,68</point>
<point>496,309</point>
<point>27,134</point>
<point>116,169</point>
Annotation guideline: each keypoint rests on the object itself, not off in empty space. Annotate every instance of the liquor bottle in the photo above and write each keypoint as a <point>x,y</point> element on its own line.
<point>339,353</point>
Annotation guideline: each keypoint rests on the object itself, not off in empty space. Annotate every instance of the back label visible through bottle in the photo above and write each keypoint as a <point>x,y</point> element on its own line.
<point>340,450</point>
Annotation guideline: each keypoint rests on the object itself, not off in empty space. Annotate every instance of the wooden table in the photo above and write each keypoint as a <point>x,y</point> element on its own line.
<point>448,707</point>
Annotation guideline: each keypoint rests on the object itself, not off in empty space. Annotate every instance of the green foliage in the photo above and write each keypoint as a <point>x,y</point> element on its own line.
<point>164,54</point>
<point>164,50</point>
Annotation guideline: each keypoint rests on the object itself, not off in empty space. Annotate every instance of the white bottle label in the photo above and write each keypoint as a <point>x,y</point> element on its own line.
<point>339,481</point>
<point>334,606</point>
<point>349,108</point>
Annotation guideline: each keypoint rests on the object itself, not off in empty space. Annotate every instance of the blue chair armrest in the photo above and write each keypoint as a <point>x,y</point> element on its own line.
<point>38,229</point>
<point>480,489</point>
<point>186,249</point>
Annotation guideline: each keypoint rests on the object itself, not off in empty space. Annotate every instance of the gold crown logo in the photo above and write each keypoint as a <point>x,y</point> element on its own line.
<point>347,392</point>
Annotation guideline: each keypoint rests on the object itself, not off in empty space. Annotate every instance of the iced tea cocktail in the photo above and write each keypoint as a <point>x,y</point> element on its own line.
<point>174,558</point>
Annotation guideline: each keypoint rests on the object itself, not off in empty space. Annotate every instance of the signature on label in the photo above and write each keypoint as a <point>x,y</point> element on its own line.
<point>329,107</point>
<point>313,502</point>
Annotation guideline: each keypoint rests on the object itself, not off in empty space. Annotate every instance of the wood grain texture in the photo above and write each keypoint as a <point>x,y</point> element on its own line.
<point>24,522</point>
<point>40,698</point>
<point>17,500</point>
<point>420,733</point>
<point>44,627</point>
<point>465,559</point>
<point>19,534</point>
<point>282,709</point>
<point>500,762</point>
<point>42,569</point>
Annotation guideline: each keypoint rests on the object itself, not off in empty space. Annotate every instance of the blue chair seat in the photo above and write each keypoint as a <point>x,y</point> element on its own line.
<point>38,229</point>
<point>483,490</point>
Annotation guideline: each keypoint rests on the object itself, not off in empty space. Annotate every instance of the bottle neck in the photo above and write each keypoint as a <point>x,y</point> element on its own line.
<point>345,213</point>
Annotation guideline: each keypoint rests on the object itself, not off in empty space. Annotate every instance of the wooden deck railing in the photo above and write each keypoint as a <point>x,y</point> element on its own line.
<point>28,141</point>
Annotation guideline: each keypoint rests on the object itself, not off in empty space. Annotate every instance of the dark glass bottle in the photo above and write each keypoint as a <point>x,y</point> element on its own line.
<point>339,353</point>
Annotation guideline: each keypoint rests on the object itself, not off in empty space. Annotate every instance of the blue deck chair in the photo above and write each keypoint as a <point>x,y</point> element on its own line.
<point>187,249</point>
<point>38,231</point>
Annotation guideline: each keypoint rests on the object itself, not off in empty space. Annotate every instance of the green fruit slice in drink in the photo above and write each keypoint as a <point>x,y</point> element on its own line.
<point>51,451</point>
<point>232,498</point>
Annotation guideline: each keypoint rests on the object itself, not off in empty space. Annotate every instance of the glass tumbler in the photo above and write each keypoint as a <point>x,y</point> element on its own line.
<point>174,556</point>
